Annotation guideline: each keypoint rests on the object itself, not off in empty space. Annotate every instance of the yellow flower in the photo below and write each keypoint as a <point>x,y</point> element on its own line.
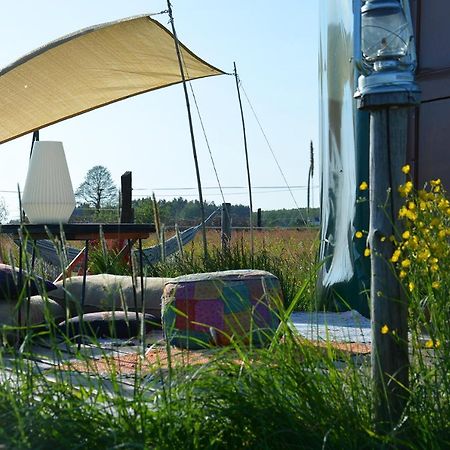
<point>406,169</point>
<point>434,268</point>
<point>424,254</point>
<point>436,182</point>
<point>363,186</point>
<point>406,263</point>
<point>401,190</point>
<point>406,234</point>
<point>411,206</point>
<point>395,256</point>
<point>443,204</point>
<point>367,252</point>
<point>383,238</point>
<point>402,274</point>
<point>414,242</point>
<point>435,284</point>
<point>384,329</point>
<point>412,216</point>
<point>358,235</point>
<point>411,286</point>
<point>432,344</point>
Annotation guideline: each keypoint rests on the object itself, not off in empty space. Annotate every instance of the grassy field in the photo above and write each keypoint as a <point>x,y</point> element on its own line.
<point>288,254</point>
<point>291,394</point>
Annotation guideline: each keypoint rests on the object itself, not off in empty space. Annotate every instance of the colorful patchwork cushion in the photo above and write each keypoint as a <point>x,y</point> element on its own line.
<point>214,308</point>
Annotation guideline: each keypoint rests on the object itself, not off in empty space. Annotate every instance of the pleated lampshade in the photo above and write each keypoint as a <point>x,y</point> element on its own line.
<point>48,193</point>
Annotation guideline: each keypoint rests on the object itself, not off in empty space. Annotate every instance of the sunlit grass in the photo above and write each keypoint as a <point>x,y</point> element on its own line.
<point>290,394</point>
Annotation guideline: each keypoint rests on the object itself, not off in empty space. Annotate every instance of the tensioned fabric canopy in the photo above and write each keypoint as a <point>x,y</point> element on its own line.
<point>89,69</point>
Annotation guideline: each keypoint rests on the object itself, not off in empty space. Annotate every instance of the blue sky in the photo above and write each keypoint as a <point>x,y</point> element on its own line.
<point>275,46</point>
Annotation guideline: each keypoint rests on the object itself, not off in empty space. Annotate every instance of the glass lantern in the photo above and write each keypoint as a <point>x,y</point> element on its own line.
<point>388,54</point>
<point>385,32</point>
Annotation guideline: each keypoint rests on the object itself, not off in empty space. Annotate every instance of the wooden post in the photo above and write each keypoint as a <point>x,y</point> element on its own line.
<point>225,233</point>
<point>389,309</point>
<point>126,212</point>
<point>252,244</point>
<point>259,218</point>
<point>191,129</point>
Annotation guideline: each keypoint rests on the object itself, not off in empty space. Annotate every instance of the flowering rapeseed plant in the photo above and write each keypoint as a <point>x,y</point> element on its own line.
<point>422,254</point>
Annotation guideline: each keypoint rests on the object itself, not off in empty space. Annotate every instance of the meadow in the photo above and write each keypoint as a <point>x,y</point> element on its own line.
<point>290,394</point>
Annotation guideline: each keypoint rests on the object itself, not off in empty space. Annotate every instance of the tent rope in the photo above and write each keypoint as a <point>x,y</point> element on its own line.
<point>272,151</point>
<point>206,139</point>
<point>204,133</point>
<point>165,11</point>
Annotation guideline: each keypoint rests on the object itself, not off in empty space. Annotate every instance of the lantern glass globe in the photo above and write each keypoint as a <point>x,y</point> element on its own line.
<point>385,32</point>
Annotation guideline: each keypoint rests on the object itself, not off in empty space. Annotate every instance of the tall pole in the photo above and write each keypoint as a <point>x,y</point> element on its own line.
<point>389,309</point>
<point>191,129</point>
<point>386,90</point>
<point>252,245</point>
<point>33,140</point>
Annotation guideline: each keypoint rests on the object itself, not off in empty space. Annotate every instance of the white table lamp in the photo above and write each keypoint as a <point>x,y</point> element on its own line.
<point>48,193</point>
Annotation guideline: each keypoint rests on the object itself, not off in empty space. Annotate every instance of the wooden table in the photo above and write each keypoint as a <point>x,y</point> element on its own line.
<point>129,232</point>
<point>80,231</point>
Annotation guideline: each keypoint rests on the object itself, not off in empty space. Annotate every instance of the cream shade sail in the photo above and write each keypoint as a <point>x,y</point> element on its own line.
<point>89,69</point>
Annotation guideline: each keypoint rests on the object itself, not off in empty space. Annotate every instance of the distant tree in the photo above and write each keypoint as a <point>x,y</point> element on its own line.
<point>3,210</point>
<point>98,189</point>
<point>143,210</point>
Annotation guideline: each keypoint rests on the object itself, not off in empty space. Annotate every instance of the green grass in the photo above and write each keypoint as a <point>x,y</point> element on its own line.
<point>288,395</point>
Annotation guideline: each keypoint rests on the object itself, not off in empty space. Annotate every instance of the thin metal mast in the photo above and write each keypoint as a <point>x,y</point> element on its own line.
<point>252,247</point>
<point>191,129</point>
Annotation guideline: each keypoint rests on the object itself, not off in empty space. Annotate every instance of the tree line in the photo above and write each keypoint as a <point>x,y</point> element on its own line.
<point>98,201</point>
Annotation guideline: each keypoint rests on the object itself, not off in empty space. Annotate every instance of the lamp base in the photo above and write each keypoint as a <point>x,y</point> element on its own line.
<point>390,88</point>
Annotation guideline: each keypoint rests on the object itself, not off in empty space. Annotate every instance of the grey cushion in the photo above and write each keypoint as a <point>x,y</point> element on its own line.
<point>108,324</point>
<point>106,292</point>
<point>40,308</point>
